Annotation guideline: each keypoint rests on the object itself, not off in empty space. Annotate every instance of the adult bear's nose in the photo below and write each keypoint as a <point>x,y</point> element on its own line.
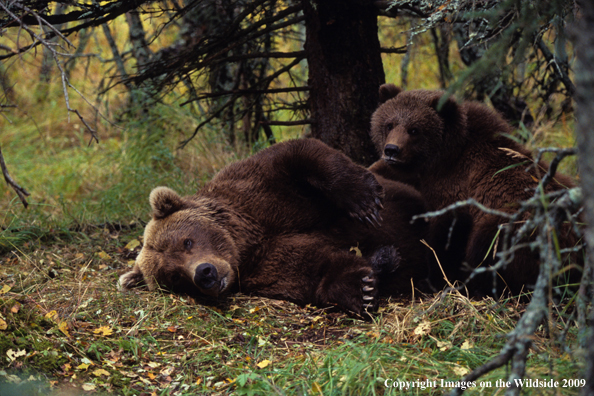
<point>205,276</point>
<point>391,150</point>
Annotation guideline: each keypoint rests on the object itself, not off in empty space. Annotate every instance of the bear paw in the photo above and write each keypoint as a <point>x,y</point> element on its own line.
<point>366,203</point>
<point>385,260</point>
<point>369,294</point>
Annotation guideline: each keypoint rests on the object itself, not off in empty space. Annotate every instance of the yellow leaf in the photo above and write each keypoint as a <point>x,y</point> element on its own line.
<point>198,381</point>
<point>3,325</point>
<point>467,345</point>
<point>88,387</point>
<point>423,328</point>
<point>52,315</point>
<point>103,255</point>
<point>255,309</point>
<point>15,308</point>
<point>444,346</point>
<point>459,370</point>
<point>316,388</point>
<point>134,243</point>
<point>103,331</point>
<point>153,364</point>
<point>63,327</point>
<point>264,363</point>
<point>100,372</point>
<point>12,355</point>
<point>5,289</point>
<point>151,376</point>
<point>82,366</point>
<point>357,251</point>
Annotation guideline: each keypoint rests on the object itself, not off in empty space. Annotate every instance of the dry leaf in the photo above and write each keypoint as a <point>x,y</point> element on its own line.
<point>459,370</point>
<point>134,243</point>
<point>5,289</point>
<point>63,327</point>
<point>357,251</point>
<point>103,255</point>
<point>82,366</point>
<point>88,387</point>
<point>167,371</point>
<point>444,346</point>
<point>100,372</point>
<point>153,364</point>
<point>423,328</point>
<point>12,355</point>
<point>15,308</point>
<point>316,388</point>
<point>264,363</point>
<point>3,325</point>
<point>467,345</point>
<point>52,315</point>
<point>103,331</point>
<point>255,309</point>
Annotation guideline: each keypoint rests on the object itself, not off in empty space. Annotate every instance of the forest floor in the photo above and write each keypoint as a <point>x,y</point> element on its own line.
<point>65,329</point>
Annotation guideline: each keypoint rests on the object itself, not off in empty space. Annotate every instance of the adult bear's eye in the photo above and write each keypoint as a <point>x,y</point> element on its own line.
<point>390,126</point>
<point>188,244</point>
<point>413,131</point>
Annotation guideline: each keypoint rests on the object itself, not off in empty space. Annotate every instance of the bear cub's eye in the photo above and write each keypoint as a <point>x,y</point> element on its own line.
<point>188,244</point>
<point>413,131</point>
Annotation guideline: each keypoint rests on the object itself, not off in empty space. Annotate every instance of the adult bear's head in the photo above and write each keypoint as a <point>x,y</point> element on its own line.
<point>187,249</point>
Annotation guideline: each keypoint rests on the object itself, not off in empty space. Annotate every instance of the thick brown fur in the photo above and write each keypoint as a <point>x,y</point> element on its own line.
<point>451,152</point>
<point>281,224</point>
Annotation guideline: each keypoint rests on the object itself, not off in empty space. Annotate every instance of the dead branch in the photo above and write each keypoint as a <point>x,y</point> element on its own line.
<point>21,192</point>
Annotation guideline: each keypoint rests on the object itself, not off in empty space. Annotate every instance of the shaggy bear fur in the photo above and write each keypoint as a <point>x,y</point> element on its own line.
<point>283,224</point>
<point>453,152</point>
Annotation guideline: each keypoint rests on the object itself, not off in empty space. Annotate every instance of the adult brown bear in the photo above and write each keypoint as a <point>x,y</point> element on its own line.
<point>451,152</point>
<point>280,224</point>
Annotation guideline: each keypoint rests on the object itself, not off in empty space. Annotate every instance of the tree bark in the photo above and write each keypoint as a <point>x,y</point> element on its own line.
<point>345,72</point>
<point>584,82</point>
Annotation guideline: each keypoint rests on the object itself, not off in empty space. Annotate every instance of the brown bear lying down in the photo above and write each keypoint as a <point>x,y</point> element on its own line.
<point>281,224</point>
<point>452,154</point>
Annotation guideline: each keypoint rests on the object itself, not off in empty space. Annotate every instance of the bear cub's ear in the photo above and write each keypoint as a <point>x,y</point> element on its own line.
<point>164,202</point>
<point>387,92</point>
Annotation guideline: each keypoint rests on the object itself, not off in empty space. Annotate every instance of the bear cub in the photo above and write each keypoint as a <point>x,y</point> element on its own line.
<point>453,151</point>
<point>282,224</point>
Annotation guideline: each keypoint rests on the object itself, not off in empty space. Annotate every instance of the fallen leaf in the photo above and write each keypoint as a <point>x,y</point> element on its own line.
<point>79,256</point>
<point>255,309</point>
<point>16,307</point>
<point>459,370</point>
<point>444,346</point>
<point>133,244</point>
<point>423,328</point>
<point>199,381</point>
<point>151,376</point>
<point>316,388</point>
<point>172,329</point>
<point>52,315</point>
<point>153,364</point>
<point>88,387</point>
<point>357,251</point>
<point>103,331</point>
<point>63,327</point>
<point>467,345</point>
<point>103,255</point>
<point>82,366</point>
<point>5,289</point>
<point>12,355</point>
<point>3,325</point>
<point>167,371</point>
<point>264,363</point>
<point>100,372</point>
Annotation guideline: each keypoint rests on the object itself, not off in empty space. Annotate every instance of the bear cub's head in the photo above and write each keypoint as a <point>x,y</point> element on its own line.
<point>411,128</point>
<point>185,250</point>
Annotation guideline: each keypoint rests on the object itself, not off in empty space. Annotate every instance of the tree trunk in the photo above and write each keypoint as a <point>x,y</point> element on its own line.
<point>584,82</point>
<point>345,72</point>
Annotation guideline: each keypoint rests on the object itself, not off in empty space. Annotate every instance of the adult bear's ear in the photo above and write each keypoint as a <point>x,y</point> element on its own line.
<point>164,202</point>
<point>387,92</point>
